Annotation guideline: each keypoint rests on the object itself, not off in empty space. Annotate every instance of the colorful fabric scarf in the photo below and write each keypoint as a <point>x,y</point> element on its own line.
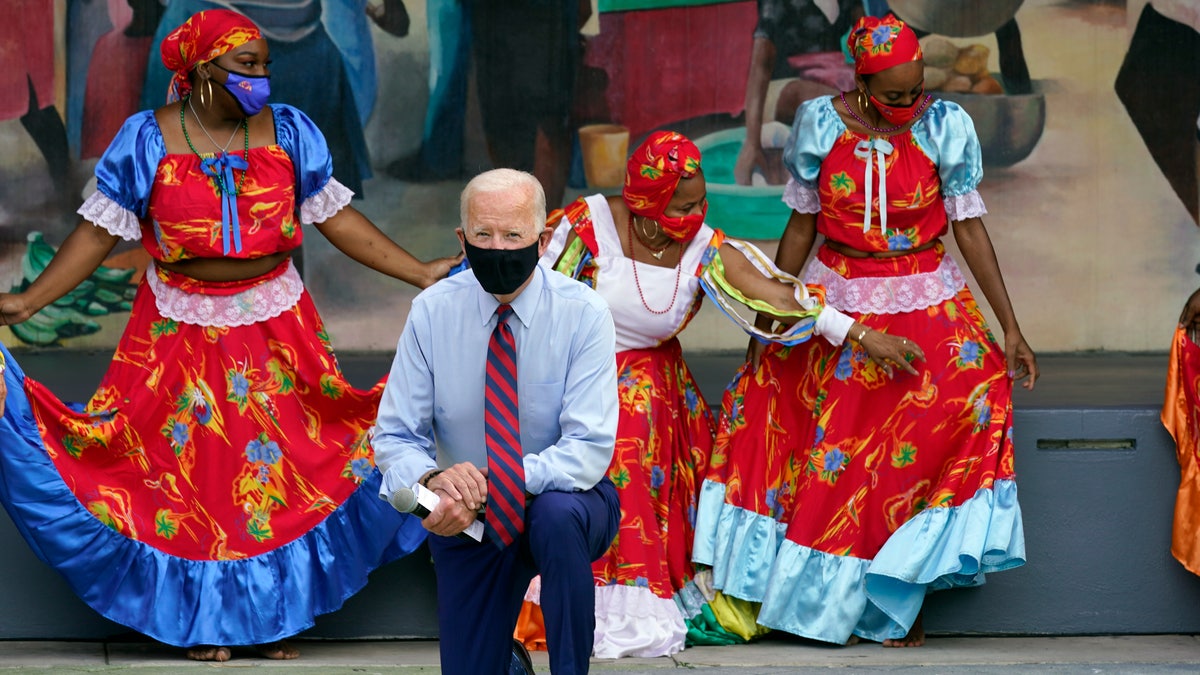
<point>878,44</point>
<point>203,37</point>
<point>654,171</point>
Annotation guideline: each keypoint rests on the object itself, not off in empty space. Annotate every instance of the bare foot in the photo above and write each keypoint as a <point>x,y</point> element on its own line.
<point>854,639</point>
<point>279,650</point>
<point>915,637</point>
<point>208,653</point>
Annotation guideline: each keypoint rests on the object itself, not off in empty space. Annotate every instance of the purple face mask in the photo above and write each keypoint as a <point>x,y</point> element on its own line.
<point>251,93</point>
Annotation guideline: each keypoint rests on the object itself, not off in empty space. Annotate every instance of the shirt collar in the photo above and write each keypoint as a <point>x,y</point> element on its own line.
<point>524,305</point>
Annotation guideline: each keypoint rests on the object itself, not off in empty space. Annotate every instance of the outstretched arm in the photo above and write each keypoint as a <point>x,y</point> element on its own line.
<point>889,351</point>
<point>82,252</point>
<point>794,247</point>
<point>977,250</point>
<point>357,237</point>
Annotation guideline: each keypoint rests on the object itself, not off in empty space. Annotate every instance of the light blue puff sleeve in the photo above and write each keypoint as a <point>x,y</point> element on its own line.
<point>305,144</point>
<point>814,131</point>
<point>125,173</point>
<point>947,135</point>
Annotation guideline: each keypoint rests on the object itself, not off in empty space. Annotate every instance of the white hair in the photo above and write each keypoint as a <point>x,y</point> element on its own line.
<point>504,180</point>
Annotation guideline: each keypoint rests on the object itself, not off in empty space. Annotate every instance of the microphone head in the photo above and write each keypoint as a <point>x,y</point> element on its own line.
<point>403,500</point>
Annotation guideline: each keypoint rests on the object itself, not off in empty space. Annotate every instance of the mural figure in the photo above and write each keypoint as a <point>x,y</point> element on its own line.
<point>1162,95</point>
<point>787,29</point>
<point>527,58</point>
<point>440,155</point>
<point>115,74</point>
<point>27,84</point>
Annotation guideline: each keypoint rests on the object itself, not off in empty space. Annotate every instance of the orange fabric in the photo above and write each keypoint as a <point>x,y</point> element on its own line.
<point>531,627</point>
<point>1181,417</point>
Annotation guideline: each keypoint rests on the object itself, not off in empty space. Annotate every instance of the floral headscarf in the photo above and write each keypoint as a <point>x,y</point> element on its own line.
<point>654,171</point>
<point>203,37</point>
<point>878,44</point>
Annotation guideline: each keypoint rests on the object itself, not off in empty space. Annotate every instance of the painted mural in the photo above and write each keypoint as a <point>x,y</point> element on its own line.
<point>1088,112</point>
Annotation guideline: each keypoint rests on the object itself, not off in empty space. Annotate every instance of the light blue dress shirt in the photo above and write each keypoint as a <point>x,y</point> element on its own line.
<point>431,414</point>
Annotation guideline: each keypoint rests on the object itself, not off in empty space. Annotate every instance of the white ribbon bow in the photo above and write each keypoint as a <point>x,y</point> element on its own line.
<point>862,151</point>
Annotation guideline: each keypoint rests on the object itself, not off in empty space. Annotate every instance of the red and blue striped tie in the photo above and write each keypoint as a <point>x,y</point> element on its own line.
<point>502,428</point>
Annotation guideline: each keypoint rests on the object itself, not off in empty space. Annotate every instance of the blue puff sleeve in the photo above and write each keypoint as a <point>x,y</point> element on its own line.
<point>814,131</point>
<point>305,144</point>
<point>125,173</point>
<point>947,135</point>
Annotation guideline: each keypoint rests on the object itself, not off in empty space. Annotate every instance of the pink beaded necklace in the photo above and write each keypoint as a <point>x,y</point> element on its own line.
<point>878,130</point>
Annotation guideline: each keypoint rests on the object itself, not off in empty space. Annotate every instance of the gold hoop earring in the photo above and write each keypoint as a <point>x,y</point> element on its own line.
<point>650,237</point>
<point>862,101</point>
<point>204,103</point>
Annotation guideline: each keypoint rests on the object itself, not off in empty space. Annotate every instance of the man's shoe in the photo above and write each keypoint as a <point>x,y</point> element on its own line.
<point>521,663</point>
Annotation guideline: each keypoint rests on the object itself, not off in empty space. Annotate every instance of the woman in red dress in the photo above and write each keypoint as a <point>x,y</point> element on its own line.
<point>839,491</point>
<point>219,488</point>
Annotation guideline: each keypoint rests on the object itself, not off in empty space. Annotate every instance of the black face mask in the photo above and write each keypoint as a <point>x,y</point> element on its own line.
<point>502,271</point>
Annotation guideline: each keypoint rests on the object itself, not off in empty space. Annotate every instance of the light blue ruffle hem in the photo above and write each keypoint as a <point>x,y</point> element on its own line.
<point>829,597</point>
<point>191,602</point>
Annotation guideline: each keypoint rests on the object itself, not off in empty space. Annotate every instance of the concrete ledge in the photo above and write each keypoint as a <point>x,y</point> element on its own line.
<point>1097,482</point>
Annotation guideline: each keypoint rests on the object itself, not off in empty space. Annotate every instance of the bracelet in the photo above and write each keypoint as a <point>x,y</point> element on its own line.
<point>432,474</point>
<point>861,334</point>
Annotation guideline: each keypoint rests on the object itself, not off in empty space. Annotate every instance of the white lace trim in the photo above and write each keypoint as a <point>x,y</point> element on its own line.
<point>103,212</point>
<point>887,295</point>
<point>965,206</point>
<point>325,203</point>
<point>800,198</point>
<point>264,301</point>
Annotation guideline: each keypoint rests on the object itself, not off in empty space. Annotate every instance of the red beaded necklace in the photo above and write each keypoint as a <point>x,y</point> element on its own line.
<point>638,283</point>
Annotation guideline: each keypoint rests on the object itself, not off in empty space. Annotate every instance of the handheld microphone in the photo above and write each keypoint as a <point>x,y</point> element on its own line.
<point>405,500</point>
<point>420,501</point>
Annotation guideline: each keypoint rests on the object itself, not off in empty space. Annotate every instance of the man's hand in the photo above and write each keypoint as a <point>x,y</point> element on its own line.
<point>449,517</point>
<point>463,482</point>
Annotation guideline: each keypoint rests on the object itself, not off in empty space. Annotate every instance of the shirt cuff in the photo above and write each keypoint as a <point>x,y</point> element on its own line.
<point>402,477</point>
<point>834,325</point>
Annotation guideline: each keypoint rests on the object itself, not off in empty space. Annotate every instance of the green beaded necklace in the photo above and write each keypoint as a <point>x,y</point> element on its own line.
<point>220,183</point>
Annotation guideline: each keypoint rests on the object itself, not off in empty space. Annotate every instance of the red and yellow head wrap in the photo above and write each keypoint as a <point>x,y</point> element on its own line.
<point>878,44</point>
<point>203,37</point>
<point>654,171</point>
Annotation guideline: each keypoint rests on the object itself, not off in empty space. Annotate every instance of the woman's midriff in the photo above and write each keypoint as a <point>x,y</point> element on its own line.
<point>254,271</point>
<point>222,270</point>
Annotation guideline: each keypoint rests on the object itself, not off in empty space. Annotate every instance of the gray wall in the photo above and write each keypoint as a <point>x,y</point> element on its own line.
<point>1097,525</point>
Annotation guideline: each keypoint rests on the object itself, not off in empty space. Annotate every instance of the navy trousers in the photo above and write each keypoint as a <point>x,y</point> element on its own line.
<point>481,588</point>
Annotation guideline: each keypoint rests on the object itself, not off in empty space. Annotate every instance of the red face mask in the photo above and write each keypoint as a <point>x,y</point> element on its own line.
<point>683,228</point>
<point>899,115</point>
